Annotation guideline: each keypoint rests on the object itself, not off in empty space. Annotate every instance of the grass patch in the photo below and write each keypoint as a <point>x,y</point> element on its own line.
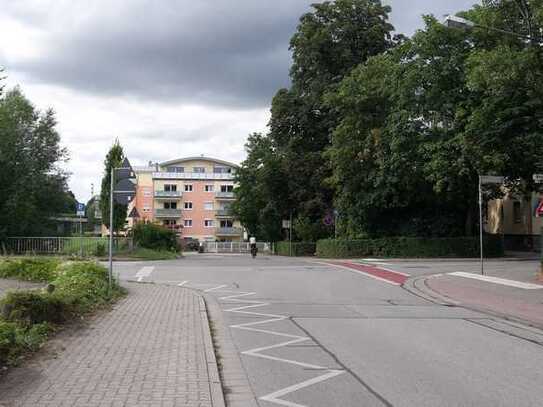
<point>142,253</point>
<point>28,316</point>
<point>37,269</point>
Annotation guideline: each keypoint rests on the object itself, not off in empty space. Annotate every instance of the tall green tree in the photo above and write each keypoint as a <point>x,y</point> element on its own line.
<point>421,122</point>
<point>114,159</point>
<point>32,183</point>
<point>329,42</point>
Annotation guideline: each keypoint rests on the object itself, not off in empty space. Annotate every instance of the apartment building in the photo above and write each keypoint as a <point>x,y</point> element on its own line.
<point>190,195</point>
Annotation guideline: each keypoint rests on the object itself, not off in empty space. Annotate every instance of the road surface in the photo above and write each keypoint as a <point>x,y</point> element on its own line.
<point>315,334</point>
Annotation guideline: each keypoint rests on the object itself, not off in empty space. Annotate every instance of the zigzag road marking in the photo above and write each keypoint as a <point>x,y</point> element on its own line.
<point>274,397</point>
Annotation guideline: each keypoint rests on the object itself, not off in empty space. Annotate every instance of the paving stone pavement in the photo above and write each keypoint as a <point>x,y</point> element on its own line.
<point>152,349</point>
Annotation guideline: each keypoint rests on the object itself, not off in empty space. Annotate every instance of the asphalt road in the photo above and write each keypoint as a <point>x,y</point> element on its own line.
<point>312,334</point>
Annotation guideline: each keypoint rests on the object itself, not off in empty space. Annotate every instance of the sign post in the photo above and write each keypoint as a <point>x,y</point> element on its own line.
<point>484,179</point>
<point>538,179</point>
<point>80,211</point>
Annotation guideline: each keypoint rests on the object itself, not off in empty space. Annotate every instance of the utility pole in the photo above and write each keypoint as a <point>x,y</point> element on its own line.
<point>110,274</point>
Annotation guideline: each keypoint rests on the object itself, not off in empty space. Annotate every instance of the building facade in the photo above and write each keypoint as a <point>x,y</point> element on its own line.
<point>516,220</point>
<point>190,195</point>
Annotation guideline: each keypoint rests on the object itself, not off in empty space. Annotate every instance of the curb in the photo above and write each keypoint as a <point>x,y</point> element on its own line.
<point>215,385</point>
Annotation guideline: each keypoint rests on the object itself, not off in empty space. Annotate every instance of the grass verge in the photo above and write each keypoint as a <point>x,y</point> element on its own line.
<point>28,317</point>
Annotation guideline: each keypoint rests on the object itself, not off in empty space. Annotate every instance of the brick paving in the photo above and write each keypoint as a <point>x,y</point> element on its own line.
<point>152,349</point>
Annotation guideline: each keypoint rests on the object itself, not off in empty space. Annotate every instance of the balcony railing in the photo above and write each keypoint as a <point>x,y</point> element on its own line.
<point>193,175</point>
<point>223,213</point>
<point>224,195</point>
<point>233,231</point>
<point>168,194</point>
<point>168,213</point>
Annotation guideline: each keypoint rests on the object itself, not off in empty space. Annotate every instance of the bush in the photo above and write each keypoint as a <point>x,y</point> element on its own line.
<point>79,288</point>
<point>153,236</point>
<point>29,269</point>
<point>100,250</point>
<point>409,247</point>
<point>33,307</point>
<point>298,248</point>
<point>16,339</point>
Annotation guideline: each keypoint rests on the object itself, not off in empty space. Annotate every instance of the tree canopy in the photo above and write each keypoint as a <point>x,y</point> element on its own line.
<point>114,159</point>
<point>32,183</point>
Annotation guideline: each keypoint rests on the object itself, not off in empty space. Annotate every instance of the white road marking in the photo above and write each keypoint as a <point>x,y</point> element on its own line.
<point>215,288</point>
<point>183,283</point>
<point>274,397</point>
<point>497,280</point>
<point>144,272</point>
<point>257,352</point>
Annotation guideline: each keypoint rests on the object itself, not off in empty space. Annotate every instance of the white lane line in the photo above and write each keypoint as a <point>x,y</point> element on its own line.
<point>183,283</point>
<point>256,352</point>
<point>144,272</point>
<point>274,397</point>
<point>215,288</point>
<point>497,280</point>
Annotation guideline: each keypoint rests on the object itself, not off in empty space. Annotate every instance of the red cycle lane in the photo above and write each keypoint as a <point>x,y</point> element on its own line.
<point>389,276</point>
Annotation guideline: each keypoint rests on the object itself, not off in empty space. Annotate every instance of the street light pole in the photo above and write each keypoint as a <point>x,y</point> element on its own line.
<point>110,274</point>
<point>481,225</point>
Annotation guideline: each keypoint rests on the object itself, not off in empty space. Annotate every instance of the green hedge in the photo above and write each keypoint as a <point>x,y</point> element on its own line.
<point>410,247</point>
<point>298,248</point>
<point>156,237</point>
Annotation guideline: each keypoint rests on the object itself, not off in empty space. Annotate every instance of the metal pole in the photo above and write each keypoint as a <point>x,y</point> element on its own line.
<point>111,229</point>
<point>481,225</point>
<point>290,235</point>
<point>80,237</point>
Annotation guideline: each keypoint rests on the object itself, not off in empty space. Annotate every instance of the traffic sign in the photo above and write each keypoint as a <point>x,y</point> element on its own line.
<point>538,178</point>
<point>80,209</point>
<point>491,179</point>
<point>539,210</point>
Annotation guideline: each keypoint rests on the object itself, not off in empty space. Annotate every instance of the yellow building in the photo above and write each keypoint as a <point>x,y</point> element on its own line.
<point>516,220</point>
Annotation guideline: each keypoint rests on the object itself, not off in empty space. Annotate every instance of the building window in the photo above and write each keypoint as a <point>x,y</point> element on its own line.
<point>170,187</point>
<point>188,187</point>
<point>187,223</point>
<point>170,205</point>
<point>517,214</point>
<point>222,170</point>
<point>208,223</point>
<point>227,188</point>
<point>188,205</point>
<point>176,169</point>
<point>170,222</point>
<point>147,192</point>
<point>146,208</point>
<point>208,206</point>
<point>208,188</point>
<point>199,169</point>
<point>227,224</point>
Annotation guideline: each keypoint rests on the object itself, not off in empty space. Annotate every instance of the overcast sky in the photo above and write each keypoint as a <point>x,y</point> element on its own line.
<point>169,78</point>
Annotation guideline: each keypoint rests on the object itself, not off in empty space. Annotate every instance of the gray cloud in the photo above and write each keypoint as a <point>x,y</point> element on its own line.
<point>217,52</point>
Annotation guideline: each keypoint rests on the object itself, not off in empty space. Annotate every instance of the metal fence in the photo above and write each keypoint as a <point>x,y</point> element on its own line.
<point>83,246</point>
<point>236,247</point>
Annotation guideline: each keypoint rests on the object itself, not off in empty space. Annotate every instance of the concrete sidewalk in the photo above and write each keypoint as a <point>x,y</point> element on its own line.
<point>153,349</point>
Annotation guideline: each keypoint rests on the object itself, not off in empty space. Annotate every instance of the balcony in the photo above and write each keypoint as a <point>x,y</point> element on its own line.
<point>223,213</point>
<point>194,175</point>
<point>224,195</point>
<point>168,213</point>
<point>168,194</point>
<point>228,231</point>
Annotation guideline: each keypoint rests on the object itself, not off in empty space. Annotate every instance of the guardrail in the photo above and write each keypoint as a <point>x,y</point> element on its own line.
<point>168,213</point>
<point>228,231</point>
<point>224,195</point>
<point>236,247</point>
<point>85,246</point>
<point>168,194</point>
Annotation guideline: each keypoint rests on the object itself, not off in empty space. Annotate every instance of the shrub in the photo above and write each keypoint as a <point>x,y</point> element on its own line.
<point>33,307</point>
<point>298,248</point>
<point>100,250</point>
<point>29,269</point>
<point>153,236</point>
<point>15,339</point>
<point>7,341</point>
<point>409,247</point>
